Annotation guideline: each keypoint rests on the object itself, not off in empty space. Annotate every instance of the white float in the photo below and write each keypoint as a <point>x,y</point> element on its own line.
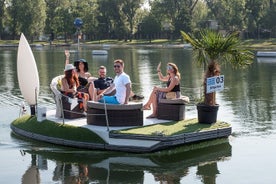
<point>99,52</point>
<point>266,54</point>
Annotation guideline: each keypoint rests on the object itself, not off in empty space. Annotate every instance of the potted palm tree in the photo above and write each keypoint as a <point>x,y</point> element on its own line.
<point>211,49</point>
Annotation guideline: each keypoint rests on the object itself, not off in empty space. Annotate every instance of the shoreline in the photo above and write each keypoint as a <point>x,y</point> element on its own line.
<point>264,45</point>
<point>104,46</point>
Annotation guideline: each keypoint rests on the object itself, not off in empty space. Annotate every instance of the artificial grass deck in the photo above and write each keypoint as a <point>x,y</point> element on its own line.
<point>174,128</point>
<point>167,134</point>
<point>68,132</point>
<point>52,129</point>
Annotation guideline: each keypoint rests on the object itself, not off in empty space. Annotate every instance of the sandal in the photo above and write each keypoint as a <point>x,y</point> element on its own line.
<point>146,108</point>
<point>151,116</point>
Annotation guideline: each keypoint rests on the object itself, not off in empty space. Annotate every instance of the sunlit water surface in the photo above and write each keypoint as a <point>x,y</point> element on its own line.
<point>247,102</point>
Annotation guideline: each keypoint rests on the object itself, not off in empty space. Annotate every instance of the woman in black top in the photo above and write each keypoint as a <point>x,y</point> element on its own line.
<point>173,85</point>
<point>84,77</point>
<point>83,74</point>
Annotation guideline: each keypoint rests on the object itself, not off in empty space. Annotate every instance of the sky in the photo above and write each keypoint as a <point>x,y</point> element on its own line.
<point>146,5</point>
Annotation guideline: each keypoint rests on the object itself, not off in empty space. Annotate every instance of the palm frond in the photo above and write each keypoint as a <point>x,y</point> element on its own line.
<point>213,46</point>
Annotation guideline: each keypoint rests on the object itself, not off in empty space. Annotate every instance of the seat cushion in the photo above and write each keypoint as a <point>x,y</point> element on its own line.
<point>181,100</point>
<point>130,106</point>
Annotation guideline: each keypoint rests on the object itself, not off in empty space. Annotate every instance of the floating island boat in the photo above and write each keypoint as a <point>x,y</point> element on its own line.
<point>105,126</point>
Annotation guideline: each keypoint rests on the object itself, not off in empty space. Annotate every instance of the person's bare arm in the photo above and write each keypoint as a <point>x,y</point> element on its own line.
<point>128,90</point>
<point>65,87</point>
<point>109,89</point>
<point>104,91</point>
<point>67,56</point>
<point>160,75</point>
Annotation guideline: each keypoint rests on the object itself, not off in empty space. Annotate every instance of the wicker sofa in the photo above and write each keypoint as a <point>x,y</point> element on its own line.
<point>172,109</point>
<point>117,115</point>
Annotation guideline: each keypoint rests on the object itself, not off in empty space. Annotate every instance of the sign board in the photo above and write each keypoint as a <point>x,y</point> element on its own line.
<point>215,84</point>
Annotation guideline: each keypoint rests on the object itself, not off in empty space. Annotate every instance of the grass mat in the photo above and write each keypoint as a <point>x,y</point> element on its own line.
<point>174,128</point>
<point>57,130</point>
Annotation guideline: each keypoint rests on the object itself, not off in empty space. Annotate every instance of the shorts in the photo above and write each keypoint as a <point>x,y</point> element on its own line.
<point>109,100</point>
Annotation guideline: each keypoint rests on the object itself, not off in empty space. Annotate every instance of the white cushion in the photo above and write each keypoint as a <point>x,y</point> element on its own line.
<point>181,100</point>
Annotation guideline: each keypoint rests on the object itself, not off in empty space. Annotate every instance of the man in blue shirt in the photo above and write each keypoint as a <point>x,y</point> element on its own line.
<point>103,82</point>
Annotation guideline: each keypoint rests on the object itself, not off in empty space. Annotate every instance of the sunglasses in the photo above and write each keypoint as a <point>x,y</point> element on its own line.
<point>169,67</point>
<point>117,66</point>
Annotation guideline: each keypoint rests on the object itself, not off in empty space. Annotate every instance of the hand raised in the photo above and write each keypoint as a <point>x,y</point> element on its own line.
<point>158,67</point>
<point>67,53</point>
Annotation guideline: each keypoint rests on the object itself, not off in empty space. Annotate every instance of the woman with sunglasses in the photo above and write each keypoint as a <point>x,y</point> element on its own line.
<point>173,85</point>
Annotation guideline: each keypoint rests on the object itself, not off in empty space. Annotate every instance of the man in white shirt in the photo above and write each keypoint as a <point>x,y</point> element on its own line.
<point>122,84</point>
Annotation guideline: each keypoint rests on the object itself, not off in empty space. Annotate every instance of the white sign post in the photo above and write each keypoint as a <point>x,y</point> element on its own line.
<point>215,84</point>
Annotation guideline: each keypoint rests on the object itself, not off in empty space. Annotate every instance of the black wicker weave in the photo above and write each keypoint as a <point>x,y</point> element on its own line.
<point>117,115</point>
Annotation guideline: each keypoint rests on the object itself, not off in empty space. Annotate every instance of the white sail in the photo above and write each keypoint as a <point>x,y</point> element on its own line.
<point>27,73</point>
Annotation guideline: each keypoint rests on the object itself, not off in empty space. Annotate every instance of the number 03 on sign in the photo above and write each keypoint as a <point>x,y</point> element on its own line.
<point>215,84</point>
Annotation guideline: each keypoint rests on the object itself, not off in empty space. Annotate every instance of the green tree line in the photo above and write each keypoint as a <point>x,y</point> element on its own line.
<point>131,19</point>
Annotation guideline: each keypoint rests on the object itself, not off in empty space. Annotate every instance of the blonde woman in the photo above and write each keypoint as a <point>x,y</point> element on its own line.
<point>173,85</point>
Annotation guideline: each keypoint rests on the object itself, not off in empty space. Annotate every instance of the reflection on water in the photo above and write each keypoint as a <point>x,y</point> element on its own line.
<point>252,93</point>
<point>32,173</point>
<point>208,172</point>
<point>266,59</point>
<point>100,59</point>
<point>76,166</point>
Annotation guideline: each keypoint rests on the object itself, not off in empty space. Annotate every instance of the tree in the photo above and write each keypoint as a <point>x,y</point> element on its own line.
<point>175,13</point>
<point>267,21</point>
<point>129,9</point>
<point>109,20</point>
<point>183,21</point>
<point>87,11</point>
<point>149,27</point>
<point>254,10</point>
<point>199,14</point>
<point>63,22</point>
<point>90,22</point>
<point>51,9</point>
<point>28,17</point>
<point>237,15</point>
<point>212,48</point>
<point>2,17</point>
<point>14,12</point>
<point>234,9</point>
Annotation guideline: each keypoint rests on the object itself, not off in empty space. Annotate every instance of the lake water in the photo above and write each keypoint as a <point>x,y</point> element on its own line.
<point>248,103</point>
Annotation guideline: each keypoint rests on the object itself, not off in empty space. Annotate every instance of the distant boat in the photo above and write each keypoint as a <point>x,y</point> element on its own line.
<point>99,52</point>
<point>187,46</point>
<point>106,46</point>
<point>36,45</point>
<point>266,60</point>
<point>266,54</point>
